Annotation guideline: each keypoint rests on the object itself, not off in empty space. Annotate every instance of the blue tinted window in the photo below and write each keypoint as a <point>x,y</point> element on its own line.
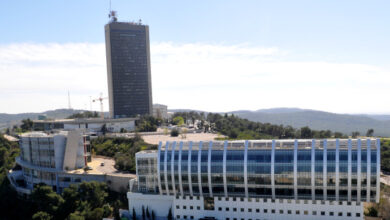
<point>284,156</point>
<point>343,156</point>
<point>319,155</point>
<point>302,168</point>
<point>304,155</point>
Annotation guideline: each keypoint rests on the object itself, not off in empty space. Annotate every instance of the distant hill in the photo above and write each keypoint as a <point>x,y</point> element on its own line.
<point>8,120</point>
<point>295,117</point>
<point>320,120</point>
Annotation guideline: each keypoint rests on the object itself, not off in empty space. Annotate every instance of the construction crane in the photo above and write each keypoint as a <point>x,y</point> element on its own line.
<point>100,99</point>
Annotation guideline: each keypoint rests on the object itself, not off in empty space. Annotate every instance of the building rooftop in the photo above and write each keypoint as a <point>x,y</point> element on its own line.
<point>86,120</point>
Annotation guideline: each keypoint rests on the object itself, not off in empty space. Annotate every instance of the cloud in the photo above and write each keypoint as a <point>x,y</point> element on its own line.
<point>213,77</point>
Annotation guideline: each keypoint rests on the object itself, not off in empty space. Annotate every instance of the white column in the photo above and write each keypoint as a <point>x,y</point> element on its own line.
<point>158,168</point>
<point>378,168</point>
<point>179,169</point>
<point>165,167</point>
<point>337,169</point>
<point>349,169</point>
<point>325,169</point>
<point>273,169</point>
<point>224,169</point>
<point>368,170</point>
<point>199,168</point>
<point>359,170</point>
<point>189,169</point>
<point>313,158</point>
<point>209,169</point>
<point>296,169</point>
<point>173,168</point>
<point>246,169</point>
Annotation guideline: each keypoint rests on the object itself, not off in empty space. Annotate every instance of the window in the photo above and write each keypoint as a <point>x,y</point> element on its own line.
<point>357,214</point>
<point>340,214</point>
<point>242,209</point>
<point>226,199</point>
<point>191,207</point>
<point>177,207</point>
<point>241,199</point>
<point>273,210</point>
<point>227,219</point>
<point>219,208</point>
<point>219,198</point>
<point>227,209</point>
<point>184,207</point>
<point>348,214</point>
<point>314,213</point>
<point>306,212</point>
<point>234,198</point>
<point>249,210</point>
<point>185,217</point>
<point>234,209</point>
<point>331,213</point>
<point>198,208</point>
<point>257,210</point>
<point>289,212</point>
<point>297,212</point>
<point>322,213</point>
<point>192,217</point>
<point>265,210</point>
<point>178,216</point>
<point>281,211</point>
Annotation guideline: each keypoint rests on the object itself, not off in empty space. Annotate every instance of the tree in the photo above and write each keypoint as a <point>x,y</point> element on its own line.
<point>338,135</point>
<point>370,132</point>
<point>372,212</point>
<point>46,199</point>
<point>93,192</point>
<point>170,217</point>
<point>27,125</point>
<point>355,134</point>
<point>147,213</point>
<point>42,216</point>
<point>306,132</point>
<point>143,213</point>
<point>103,129</point>
<point>174,132</point>
<point>134,214</point>
<point>178,121</point>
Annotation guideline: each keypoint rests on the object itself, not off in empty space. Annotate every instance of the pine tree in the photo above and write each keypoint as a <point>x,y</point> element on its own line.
<point>143,213</point>
<point>169,217</point>
<point>134,215</point>
<point>147,213</point>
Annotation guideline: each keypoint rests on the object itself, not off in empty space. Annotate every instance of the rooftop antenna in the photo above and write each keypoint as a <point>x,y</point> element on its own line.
<point>69,106</point>
<point>112,14</point>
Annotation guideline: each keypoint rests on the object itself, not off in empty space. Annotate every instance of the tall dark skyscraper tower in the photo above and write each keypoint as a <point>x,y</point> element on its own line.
<point>128,69</point>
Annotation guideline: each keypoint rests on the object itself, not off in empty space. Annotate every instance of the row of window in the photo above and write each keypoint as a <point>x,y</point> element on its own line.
<point>297,212</point>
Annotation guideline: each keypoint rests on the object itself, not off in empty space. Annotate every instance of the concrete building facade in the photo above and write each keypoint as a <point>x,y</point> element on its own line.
<point>128,69</point>
<point>62,159</point>
<point>265,179</point>
<point>87,124</point>
<point>160,111</point>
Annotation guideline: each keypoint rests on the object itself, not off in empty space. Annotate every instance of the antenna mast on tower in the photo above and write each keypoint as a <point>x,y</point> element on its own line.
<point>112,14</point>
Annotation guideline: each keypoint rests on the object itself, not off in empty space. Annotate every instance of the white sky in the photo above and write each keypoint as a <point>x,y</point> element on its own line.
<point>211,77</point>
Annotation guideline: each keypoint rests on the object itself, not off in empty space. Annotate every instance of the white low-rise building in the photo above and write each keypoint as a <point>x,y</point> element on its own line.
<point>259,179</point>
<point>87,124</point>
